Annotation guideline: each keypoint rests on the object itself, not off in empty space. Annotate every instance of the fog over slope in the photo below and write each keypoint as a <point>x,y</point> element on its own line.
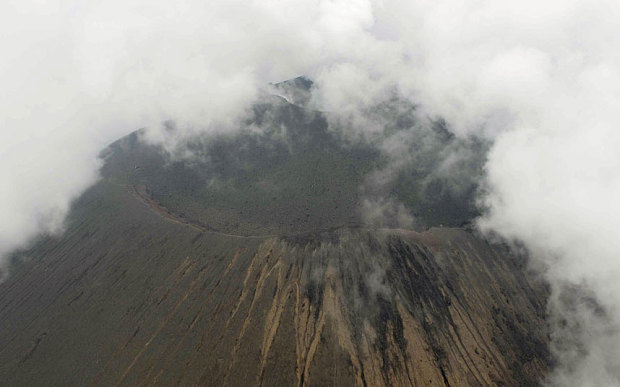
<point>538,80</point>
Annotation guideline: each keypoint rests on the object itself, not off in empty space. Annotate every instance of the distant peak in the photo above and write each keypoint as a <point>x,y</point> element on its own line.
<point>302,82</point>
<point>296,91</point>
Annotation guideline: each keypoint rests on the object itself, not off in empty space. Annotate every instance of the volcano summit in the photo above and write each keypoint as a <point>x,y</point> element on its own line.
<point>287,252</point>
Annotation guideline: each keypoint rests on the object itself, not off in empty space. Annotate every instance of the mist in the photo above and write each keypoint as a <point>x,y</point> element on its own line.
<point>540,81</point>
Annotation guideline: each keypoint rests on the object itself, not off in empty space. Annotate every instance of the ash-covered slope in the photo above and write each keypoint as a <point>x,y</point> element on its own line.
<point>253,267</point>
<point>128,296</point>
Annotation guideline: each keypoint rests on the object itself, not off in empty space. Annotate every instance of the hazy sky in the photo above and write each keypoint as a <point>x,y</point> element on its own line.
<point>541,79</point>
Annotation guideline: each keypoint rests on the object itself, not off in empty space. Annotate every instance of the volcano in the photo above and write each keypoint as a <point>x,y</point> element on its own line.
<point>251,259</point>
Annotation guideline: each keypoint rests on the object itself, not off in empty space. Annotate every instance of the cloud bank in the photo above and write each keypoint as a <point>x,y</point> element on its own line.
<point>539,79</point>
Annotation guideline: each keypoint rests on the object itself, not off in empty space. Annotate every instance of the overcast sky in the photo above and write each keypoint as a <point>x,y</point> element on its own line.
<point>541,79</point>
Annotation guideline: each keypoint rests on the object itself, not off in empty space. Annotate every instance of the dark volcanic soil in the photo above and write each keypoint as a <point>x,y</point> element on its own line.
<point>249,264</point>
<point>132,297</point>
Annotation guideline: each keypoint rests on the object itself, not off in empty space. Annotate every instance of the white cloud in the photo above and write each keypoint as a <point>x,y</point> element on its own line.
<point>540,78</point>
<point>76,75</point>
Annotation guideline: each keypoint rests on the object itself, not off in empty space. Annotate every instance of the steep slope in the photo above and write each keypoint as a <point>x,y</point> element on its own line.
<point>248,260</point>
<point>130,297</point>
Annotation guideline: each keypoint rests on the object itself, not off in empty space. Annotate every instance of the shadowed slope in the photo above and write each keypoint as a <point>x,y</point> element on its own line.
<point>289,169</point>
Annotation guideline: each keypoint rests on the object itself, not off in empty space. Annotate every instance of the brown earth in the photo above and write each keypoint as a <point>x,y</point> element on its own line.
<point>132,294</point>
